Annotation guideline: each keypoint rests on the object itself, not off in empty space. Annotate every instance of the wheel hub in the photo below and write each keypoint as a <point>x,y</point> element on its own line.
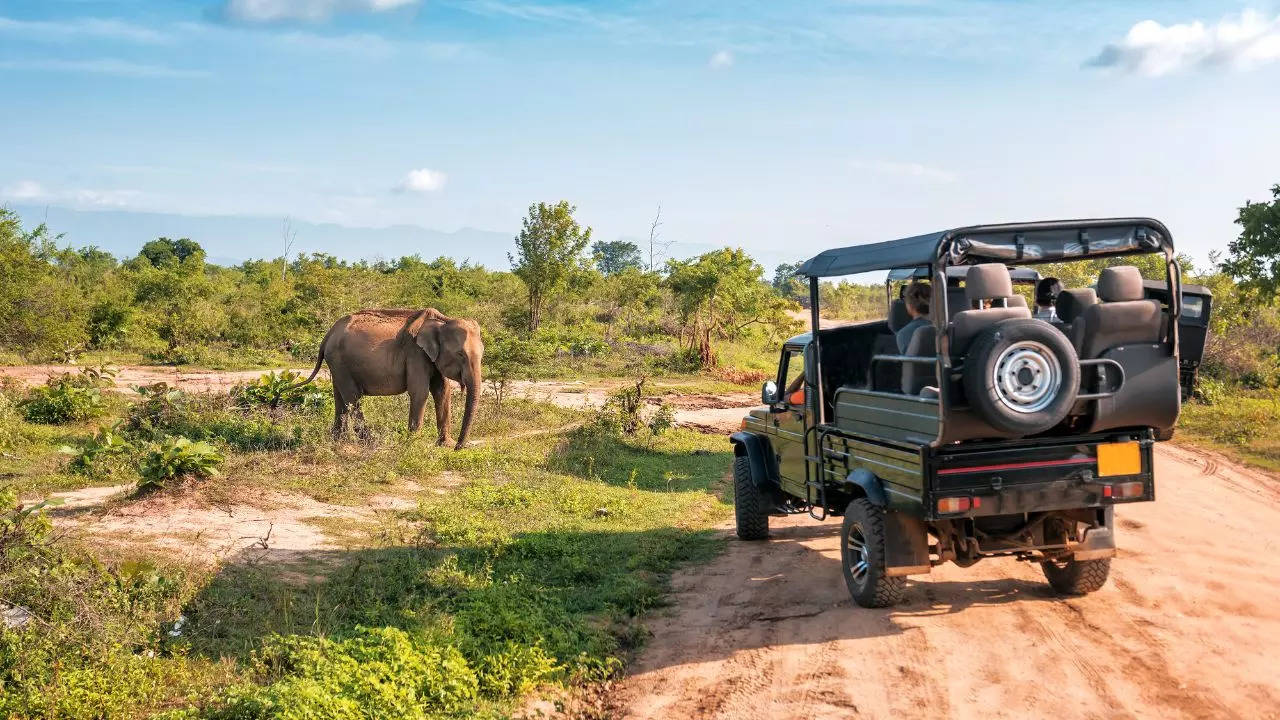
<point>1027,377</point>
<point>859,562</point>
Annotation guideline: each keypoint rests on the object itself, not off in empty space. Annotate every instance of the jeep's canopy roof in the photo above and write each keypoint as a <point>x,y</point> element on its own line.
<point>1024,243</point>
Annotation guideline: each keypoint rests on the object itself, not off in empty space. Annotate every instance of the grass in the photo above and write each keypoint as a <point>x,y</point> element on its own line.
<point>533,569</point>
<point>1238,422</point>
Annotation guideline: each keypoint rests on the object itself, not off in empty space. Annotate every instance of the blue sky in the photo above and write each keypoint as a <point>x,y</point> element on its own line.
<point>782,127</point>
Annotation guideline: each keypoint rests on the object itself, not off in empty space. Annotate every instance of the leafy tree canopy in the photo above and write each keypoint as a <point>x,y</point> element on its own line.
<point>548,252</point>
<point>614,256</point>
<point>1254,257</point>
<point>163,252</point>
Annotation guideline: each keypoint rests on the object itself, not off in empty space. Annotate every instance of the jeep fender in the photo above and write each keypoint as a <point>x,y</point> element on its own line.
<point>870,485</point>
<point>764,466</point>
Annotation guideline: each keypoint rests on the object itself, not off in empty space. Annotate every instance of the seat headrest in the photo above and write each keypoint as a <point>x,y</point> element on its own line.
<point>986,282</point>
<point>1072,303</point>
<point>1120,283</point>
<point>898,317</point>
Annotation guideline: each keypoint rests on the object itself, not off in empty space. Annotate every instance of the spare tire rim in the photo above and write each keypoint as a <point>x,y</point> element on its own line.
<point>1027,377</point>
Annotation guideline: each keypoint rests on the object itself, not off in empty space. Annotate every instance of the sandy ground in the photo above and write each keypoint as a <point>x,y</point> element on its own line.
<point>1188,626</point>
<point>132,375</point>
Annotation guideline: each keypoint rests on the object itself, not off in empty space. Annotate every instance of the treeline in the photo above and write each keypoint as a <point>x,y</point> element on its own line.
<point>564,298</point>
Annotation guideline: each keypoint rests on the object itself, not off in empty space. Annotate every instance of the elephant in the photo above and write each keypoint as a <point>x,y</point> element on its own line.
<point>388,352</point>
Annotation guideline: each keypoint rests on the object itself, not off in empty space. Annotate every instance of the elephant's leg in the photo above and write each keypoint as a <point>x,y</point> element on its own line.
<point>339,414</point>
<point>440,395</point>
<point>344,387</point>
<point>417,408</point>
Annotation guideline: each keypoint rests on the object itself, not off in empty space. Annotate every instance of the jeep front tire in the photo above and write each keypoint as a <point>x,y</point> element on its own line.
<point>749,508</point>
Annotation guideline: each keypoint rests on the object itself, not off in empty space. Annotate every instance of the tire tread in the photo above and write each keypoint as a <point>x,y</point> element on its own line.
<point>1078,577</point>
<point>749,511</point>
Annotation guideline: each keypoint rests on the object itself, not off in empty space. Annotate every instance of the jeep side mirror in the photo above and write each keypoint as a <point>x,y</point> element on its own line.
<point>769,394</point>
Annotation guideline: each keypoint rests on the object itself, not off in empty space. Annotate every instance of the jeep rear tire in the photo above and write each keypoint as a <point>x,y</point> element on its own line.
<point>1077,577</point>
<point>1021,376</point>
<point>862,556</point>
<point>749,508</point>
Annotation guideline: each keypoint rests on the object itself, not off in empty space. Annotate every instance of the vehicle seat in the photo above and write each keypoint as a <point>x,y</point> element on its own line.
<point>917,377</point>
<point>1071,305</point>
<point>898,315</point>
<point>984,282</point>
<point>1122,317</point>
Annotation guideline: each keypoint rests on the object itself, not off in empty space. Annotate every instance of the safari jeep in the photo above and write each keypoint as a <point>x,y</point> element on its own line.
<point>994,433</point>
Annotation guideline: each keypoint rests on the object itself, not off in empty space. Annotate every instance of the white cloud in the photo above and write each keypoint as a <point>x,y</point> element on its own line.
<point>721,60</point>
<point>1239,42</point>
<point>104,66</point>
<point>911,170</point>
<point>306,10</point>
<point>105,198</point>
<point>31,191</point>
<point>422,180</point>
<point>73,28</point>
<point>24,190</point>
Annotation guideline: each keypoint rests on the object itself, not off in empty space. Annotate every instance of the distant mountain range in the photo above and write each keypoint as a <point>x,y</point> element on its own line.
<point>232,239</point>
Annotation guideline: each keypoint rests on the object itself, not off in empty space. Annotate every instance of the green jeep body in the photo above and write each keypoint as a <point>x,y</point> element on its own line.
<point>923,478</point>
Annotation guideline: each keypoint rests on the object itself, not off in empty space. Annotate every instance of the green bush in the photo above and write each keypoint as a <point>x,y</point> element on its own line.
<point>10,423</point>
<point>91,647</point>
<point>275,390</point>
<point>373,673</point>
<point>64,398</point>
<point>174,458</point>
<point>100,453</point>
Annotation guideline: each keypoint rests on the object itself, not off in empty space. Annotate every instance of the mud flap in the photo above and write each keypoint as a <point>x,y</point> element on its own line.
<point>1098,542</point>
<point>906,544</point>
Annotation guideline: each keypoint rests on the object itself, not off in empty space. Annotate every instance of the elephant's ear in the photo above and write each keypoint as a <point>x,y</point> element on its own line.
<point>426,333</point>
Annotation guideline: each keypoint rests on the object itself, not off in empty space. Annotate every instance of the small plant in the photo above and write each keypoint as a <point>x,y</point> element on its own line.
<point>174,458</point>
<point>275,390</point>
<point>64,398</point>
<point>92,458</point>
<point>663,419</point>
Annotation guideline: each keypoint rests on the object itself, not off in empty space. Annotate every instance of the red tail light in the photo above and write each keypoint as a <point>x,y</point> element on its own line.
<point>1127,490</point>
<point>953,505</point>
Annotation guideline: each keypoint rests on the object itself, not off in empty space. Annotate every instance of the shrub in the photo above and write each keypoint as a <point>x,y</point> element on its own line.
<point>95,457</point>
<point>663,419</point>
<point>174,458</point>
<point>373,673</point>
<point>275,390</point>
<point>64,398</point>
<point>90,648</point>
<point>10,430</point>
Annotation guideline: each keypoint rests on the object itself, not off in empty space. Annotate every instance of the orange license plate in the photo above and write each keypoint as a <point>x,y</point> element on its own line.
<point>1119,459</point>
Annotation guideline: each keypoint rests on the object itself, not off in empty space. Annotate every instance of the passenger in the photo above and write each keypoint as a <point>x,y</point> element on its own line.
<point>795,391</point>
<point>916,298</point>
<point>1046,299</point>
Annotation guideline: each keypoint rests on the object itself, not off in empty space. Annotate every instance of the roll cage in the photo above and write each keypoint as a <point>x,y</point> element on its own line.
<point>936,254</point>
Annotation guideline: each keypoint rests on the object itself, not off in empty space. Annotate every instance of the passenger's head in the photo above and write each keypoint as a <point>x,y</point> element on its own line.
<point>1047,291</point>
<point>917,297</point>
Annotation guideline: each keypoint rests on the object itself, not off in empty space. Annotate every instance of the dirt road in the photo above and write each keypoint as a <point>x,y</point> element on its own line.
<point>1188,627</point>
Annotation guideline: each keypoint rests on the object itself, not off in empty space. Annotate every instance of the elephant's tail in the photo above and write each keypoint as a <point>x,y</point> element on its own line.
<point>319,360</point>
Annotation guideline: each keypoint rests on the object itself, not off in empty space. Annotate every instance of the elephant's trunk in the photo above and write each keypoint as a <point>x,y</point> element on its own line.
<point>472,385</point>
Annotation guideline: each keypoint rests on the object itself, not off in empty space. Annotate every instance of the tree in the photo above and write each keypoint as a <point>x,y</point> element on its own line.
<point>719,294</point>
<point>657,248</point>
<point>1254,256</point>
<point>548,251</point>
<point>615,256</point>
<point>163,252</point>
<point>786,284</point>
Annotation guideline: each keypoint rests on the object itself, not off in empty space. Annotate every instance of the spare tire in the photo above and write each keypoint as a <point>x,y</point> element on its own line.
<point>1021,376</point>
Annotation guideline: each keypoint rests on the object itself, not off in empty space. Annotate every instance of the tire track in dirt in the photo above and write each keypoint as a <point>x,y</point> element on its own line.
<point>1186,628</point>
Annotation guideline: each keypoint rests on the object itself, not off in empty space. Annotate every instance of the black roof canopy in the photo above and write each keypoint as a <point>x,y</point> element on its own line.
<point>1023,243</point>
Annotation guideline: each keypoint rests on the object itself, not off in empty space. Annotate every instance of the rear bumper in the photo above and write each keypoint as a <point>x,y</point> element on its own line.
<point>1065,475</point>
